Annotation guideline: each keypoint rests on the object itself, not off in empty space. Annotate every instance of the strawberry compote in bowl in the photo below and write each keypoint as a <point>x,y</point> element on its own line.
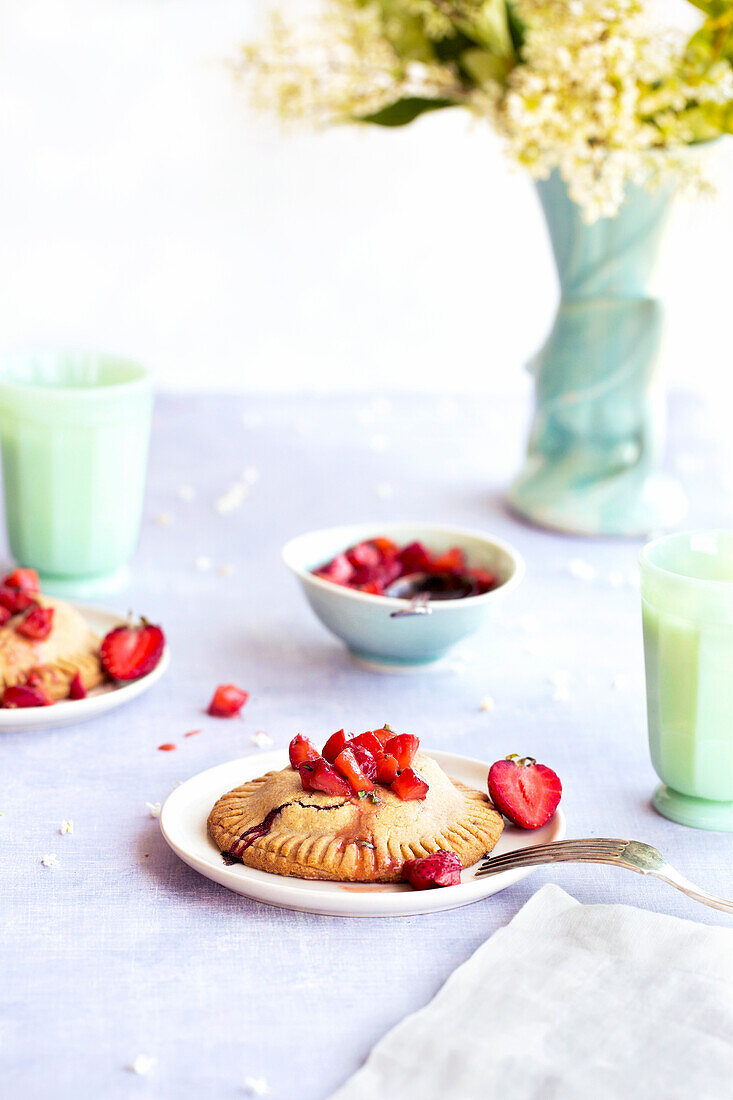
<point>401,595</point>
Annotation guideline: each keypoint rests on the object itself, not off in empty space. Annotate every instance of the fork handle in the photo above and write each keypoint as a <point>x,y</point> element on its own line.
<point>674,878</point>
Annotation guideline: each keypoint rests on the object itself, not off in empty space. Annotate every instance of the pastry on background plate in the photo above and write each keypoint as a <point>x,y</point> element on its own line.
<point>357,813</point>
<point>48,652</point>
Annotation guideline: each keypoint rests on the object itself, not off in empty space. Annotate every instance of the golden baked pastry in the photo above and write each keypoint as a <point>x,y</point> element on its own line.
<point>273,824</point>
<point>70,647</point>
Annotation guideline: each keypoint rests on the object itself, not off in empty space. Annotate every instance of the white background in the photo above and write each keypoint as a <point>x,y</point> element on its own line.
<point>144,209</point>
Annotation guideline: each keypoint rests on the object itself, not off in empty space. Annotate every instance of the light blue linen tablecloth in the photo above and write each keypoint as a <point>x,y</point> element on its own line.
<point>122,950</point>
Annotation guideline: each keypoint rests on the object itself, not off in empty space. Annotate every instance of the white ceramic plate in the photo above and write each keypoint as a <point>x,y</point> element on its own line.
<point>183,821</point>
<point>68,712</point>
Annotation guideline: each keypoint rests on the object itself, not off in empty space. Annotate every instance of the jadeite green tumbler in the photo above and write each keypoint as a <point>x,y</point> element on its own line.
<point>74,431</point>
<point>687,608</point>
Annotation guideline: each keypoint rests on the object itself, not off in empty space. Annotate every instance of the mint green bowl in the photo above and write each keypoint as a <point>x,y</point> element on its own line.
<point>365,623</point>
<point>74,431</point>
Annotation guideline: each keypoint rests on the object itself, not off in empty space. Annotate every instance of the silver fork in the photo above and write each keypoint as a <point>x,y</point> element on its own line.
<point>631,854</point>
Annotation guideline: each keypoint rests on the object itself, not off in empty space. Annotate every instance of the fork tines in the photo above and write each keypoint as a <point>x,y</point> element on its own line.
<point>590,850</point>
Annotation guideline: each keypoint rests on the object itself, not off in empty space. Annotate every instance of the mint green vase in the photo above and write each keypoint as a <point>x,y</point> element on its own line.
<point>597,438</point>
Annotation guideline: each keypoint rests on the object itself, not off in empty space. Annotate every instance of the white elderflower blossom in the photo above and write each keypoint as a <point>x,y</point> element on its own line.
<point>590,88</point>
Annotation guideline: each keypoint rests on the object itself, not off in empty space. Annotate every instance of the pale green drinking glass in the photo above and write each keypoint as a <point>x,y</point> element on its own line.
<point>687,608</point>
<point>74,431</point>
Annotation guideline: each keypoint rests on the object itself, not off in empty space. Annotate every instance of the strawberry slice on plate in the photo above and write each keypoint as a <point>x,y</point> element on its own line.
<point>227,701</point>
<point>131,651</point>
<point>25,695</point>
<point>76,687</point>
<point>525,792</point>
<point>440,869</point>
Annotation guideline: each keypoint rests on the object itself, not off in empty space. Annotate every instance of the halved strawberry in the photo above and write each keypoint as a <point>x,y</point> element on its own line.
<point>25,695</point>
<point>347,764</point>
<point>368,741</point>
<point>37,624</point>
<point>403,747</point>
<point>364,759</point>
<point>15,600</point>
<point>76,687</point>
<point>131,651</point>
<point>24,579</point>
<point>408,785</point>
<point>387,768</point>
<point>227,701</point>
<point>4,615</point>
<point>526,792</point>
<point>334,745</point>
<point>302,750</point>
<point>440,869</point>
<point>324,777</point>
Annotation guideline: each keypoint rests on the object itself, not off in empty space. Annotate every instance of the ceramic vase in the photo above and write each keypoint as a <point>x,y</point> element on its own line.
<point>597,438</point>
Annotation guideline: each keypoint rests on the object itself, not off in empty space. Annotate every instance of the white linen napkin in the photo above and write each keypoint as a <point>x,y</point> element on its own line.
<point>570,1001</point>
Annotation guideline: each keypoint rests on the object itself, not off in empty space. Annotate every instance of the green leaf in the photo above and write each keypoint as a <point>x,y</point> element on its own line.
<point>483,67</point>
<point>404,111</point>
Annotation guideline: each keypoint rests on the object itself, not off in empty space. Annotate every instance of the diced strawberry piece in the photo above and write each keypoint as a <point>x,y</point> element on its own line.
<point>386,547</point>
<point>364,759</point>
<point>324,777</point>
<point>302,750</point>
<point>76,687</point>
<point>131,651</point>
<point>4,615</point>
<point>227,701</point>
<point>368,741</point>
<point>387,768</point>
<point>372,588</point>
<point>37,624</point>
<point>25,695</point>
<point>452,561</point>
<point>334,745</point>
<point>15,600</point>
<point>364,555</point>
<point>403,747</point>
<point>408,785</point>
<point>414,558</point>
<point>440,869</point>
<point>383,735</point>
<point>339,570</point>
<point>526,793</point>
<point>306,774</point>
<point>24,579</point>
<point>485,580</point>
<point>347,764</point>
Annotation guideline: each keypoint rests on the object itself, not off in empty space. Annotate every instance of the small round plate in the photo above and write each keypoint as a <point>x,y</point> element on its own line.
<point>68,712</point>
<point>183,822</point>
